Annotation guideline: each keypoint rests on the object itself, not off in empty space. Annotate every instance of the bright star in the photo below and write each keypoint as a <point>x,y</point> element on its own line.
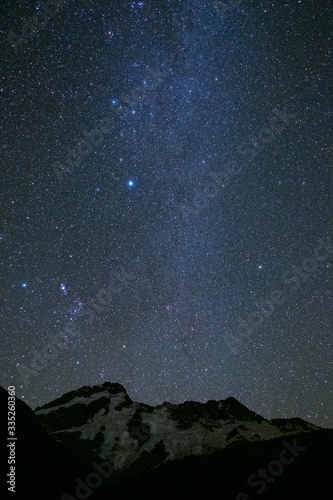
<point>130,183</point>
<point>24,285</point>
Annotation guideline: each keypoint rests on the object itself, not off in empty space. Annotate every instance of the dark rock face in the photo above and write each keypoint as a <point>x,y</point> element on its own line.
<point>85,391</point>
<point>43,468</point>
<point>288,424</point>
<point>190,412</point>
<point>138,429</point>
<point>73,416</point>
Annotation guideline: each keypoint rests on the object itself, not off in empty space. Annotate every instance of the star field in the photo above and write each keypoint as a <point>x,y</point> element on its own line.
<point>166,202</point>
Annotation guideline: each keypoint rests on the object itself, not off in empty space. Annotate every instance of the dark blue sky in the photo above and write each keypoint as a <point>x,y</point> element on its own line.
<point>166,202</point>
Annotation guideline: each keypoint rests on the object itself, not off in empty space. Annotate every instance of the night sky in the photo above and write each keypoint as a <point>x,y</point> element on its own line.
<point>166,202</point>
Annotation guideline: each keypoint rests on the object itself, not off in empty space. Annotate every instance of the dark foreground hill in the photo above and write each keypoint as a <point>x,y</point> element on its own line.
<point>97,443</point>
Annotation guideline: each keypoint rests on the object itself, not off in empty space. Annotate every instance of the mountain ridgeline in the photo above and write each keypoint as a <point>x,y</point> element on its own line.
<point>97,443</point>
